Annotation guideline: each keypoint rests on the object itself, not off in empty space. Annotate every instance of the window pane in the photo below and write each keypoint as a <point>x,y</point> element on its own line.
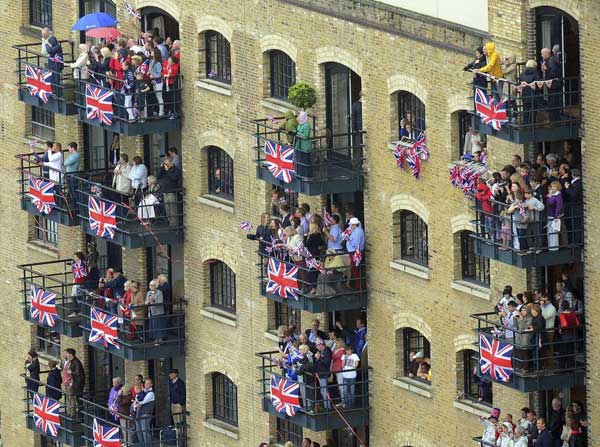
<point>415,342</point>
<point>283,74</point>
<point>45,230</point>
<point>474,268</point>
<point>220,173</point>
<point>475,388</point>
<point>288,431</point>
<point>224,398</point>
<point>414,238</point>
<point>40,13</point>
<point>218,57</point>
<point>286,316</point>
<point>48,342</point>
<point>42,123</point>
<point>410,108</point>
<point>222,287</point>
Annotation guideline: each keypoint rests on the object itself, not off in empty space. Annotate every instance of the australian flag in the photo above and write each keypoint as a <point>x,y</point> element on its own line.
<point>495,358</point>
<point>43,306</point>
<point>283,279</point>
<point>41,193</point>
<point>279,160</point>
<point>284,395</point>
<point>39,82</point>
<point>489,110</point>
<point>98,103</point>
<point>103,329</point>
<point>103,221</point>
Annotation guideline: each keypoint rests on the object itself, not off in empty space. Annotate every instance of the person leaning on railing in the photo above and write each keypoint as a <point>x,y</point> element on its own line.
<point>304,145</point>
<point>529,93</point>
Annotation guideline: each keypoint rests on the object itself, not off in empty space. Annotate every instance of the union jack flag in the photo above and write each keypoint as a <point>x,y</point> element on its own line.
<point>78,269</point>
<point>328,218</point>
<point>279,159</point>
<point>420,147</point>
<point>246,226</point>
<point>283,279</point>
<point>57,58</point>
<point>106,436</point>
<point>312,262</point>
<point>39,82</point>
<point>400,154</point>
<point>284,395</point>
<point>103,329</point>
<point>132,11</point>
<point>43,306</point>
<point>102,217</point>
<point>356,257</point>
<point>455,175</point>
<point>495,358</point>
<point>346,234</point>
<point>41,193</point>
<point>489,110</point>
<point>45,414</point>
<point>414,162</point>
<point>98,102</point>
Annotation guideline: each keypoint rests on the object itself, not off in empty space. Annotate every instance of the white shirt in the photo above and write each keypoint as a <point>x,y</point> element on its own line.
<point>350,363</point>
<point>549,314</point>
<point>121,180</point>
<point>139,176</point>
<point>55,162</point>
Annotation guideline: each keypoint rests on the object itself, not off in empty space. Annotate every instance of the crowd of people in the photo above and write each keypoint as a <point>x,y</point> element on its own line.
<point>143,73</point>
<point>530,206</point>
<point>563,427</point>
<point>306,442</point>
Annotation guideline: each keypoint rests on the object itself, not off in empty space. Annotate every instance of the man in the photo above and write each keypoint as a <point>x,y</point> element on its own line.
<point>77,381</point>
<point>132,45</point>
<point>286,216</point>
<point>532,432</point>
<point>165,288</point>
<point>354,244</point>
<point>535,226</point>
<point>144,408</point>
<point>414,361</point>
<point>505,298</point>
<point>314,332</point>
<point>117,284</point>
<point>556,421</point>
<point>55,163</point>
<point>53,381</point>
<point>523,339</point>
<point>360,334</point>
<point>72,165</point>
<point>44,157</point>
<point>323,368</point>
<point>551,71</point>
<point>52,49</point>
<point>334,235</point>
<point>169,180</point>
<point>301,214</point>
<point>544,437</point>
<point>356,119</point>
<point>159,43</point>
<point>516,161</point>
<point>174,154</point>
<point>306,442</point>
<point>573,194</point>
<point>176,397</point>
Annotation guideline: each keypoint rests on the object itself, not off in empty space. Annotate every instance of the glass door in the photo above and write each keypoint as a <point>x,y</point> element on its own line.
<point>338,104</point>
<point>102,368</point>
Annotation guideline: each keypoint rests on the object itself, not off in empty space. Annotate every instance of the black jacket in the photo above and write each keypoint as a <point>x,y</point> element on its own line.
<point>33,369</point>
<point>529,75</point>
<point>78,375</point>
<point>553,70</point>
<point>169,180</point>
<point>574,194</point>
<point>177,392</point>
<point>556,422</point>
<point>323,363</point>
<point>544,439</point>
<point>54,380</point>
<point>167,297</point>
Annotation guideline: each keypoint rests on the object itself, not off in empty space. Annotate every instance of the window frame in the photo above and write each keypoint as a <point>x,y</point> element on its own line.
<point>224,399</point>
<point>413,222</point>
<point>464,122</point>
<point>223,297</point>
<point>43,120</point>
<point>422,345</point>
<point>285,315</point>
<point>282,71</point>
<point>470,389</point>
<point>45,342</point>
<point>217,59</point>
<point>407,102</point>
<point>471,262</point>
<point>45,231</point>
<point>220,160</point>
<point>288,431</point>
<point>38,11</point>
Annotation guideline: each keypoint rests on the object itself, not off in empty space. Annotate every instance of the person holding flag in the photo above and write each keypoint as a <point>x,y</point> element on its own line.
<point>355,245</point>
<point>51,48</point>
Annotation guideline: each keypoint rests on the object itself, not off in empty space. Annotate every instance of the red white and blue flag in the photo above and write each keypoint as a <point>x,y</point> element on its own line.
<point>328,218</point>
<point>78,269</point>
<point>285,395</point>
<point>103,220</point>
<point>46,414</point>
<point>98,102</point>
<point>311,262</point>
<point>489,110</point>
<point>246,226</point>
<point>279,160</point>
<point>41,192</point>
<point>39,82</point>
<point>103,329</point>
<point>356,257</point>
<point>495,358</point>
<point>43,306</point>
<point>106,435</point>
<point>346,234</point>
<point>283,279</point>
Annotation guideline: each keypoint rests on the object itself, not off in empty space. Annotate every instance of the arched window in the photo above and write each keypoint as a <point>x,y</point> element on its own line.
<point>469,385</point>
<point>218,57</point>
<point>222,286</point>
<point>282,74</point>
<point>410,238</point>
<point>220,173</point>
<point>474,268</point>
<point>411,110</point>
<point>413,355</point>
<point>224,399</point>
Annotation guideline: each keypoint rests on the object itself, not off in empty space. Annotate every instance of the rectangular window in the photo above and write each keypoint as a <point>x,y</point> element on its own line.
<point>224,399</point>
<point>475,388</point>
<point>45,230</point>
<point>283,74</point>
<point>411,109</point>
<point>288,431</point>
<point>286,315</point>
<point>42,123</point>
<point>40,13</point>
<point>474,268</point>
<point>464,122</point>
<point>222,287</point>
<point>413,341</point>
<point>48,342</point>
<point>220,173</point>
<point>218,57</point>
<point>414,238</point>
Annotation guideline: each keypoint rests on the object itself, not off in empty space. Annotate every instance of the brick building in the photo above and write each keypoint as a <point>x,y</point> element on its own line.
<point>428,268</point>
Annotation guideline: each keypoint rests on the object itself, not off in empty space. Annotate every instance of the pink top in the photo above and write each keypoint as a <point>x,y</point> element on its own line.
<point>336,363</point>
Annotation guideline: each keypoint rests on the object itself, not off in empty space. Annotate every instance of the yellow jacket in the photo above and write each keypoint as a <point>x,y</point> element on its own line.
<point>493,66</point>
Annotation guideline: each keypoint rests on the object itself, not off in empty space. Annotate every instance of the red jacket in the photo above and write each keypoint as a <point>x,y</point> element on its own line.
<point>117,72</point>
<point>170,72</point>
<point>484,195</point>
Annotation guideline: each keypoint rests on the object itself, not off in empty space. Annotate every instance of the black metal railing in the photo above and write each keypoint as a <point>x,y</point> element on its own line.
<point>142,218</point>
<point>131,429</point>
<point>318,397</point>
<point>536,353</point>
<point>62,74</point>
<point>321,158</point>
<point>52,277</point>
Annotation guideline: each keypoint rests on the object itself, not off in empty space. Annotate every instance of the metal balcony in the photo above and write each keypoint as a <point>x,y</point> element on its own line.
<point>61,80</point>
<point>547,361</point>
<point>128,331</point>
<point>103,93</point>
<point>332,166</point>
<point>68,428</point>
<point>316,413</point>
<point>138,222</point>
<point>307,289</point>
<point>102,418</point>
<point>51,277</point>
<point>545,116</point>
<point>538,246</point>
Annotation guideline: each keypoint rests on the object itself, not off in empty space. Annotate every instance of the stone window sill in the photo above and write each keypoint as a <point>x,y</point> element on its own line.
<point>272,335</point>
<point>214,86</point>
<point>469,406</point>
<point>471,289</point>
<point>42,248</point>
<point>217,202</point>
<point>420,271</point>
<point>414,386</point>
<point>222,428</point>
<point>219,315</point>
<point>277,104</point>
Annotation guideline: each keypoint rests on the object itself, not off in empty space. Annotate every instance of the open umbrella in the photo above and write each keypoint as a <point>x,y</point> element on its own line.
<point>94,20</point>
<point>104,33</point>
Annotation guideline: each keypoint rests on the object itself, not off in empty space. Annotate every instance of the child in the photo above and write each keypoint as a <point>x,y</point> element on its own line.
<point>505,230</point>
<point>142,88</point>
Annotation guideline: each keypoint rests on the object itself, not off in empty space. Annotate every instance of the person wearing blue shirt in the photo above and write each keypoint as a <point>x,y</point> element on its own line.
<point>334,234</point>
<point>355,243</point>
<point>117,285</point>
<point>144,409</point>
<point>360,334</point>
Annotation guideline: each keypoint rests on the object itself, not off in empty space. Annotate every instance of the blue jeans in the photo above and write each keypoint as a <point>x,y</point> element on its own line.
<point>142,430</point>
<point>349,386</point>
<point>323,384</point>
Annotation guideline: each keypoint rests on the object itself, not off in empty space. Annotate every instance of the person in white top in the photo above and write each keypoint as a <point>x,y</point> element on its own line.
<point>488,438</point>
<point>79,67</point>
<point>519,438</point>
<point>350,363</point>
<point>121,181</point>
<point>55,163</point>
<point>138,176</point>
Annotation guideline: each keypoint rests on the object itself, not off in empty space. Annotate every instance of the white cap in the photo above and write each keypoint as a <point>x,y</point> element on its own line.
<point>354,221</point>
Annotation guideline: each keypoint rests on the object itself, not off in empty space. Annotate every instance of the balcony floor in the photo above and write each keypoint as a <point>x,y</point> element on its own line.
<point>61,217</point>
<point>566,255</point>
<point>537,382</point>
<point>314,304</point>
<point>71,435</point>
<point>54,105</point>
<point>134,235</point>
<point>342,180</point>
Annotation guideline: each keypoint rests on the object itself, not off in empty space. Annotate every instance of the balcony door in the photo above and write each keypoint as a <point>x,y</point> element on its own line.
<point>102,368</point>
<point>342,89</point>
<point>97,143</point>
<point>155,149</point>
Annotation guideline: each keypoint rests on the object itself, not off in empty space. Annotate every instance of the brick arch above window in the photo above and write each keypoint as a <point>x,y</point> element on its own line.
<point>276,42</point>
<point>402,202</point>
<point>464,342</point>
<point>221,365</point>
<point>340,56</point>
<point>407,320</point>
<point>573,8</point>
<point>459,101</point>
<point>401,82</point>
<point>213,138</point>
<point>218,255</point>
<point>169,6</point>
<point>462,222</point>
<point>214,23</point>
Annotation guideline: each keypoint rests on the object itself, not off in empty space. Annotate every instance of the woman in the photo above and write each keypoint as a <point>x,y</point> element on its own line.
<point>147,208</point>
<point>155,75</point>
<point>124,400</point>
<point>139,177</point>
<point>554,208</point>
<point>519,438</point>
<point>32,371</point>
<point>519,218</point>
<point>138,310</point>
<point>337,364</point>
<point>569,324</point>
<point>304,370</point>
<point>314,243</point>
<point>80,70</point>
<point>124,310</point>
<point>303,145</point>
<point>263,233</point>
<point>121,181</point>
<point>79,270</point>
<point>293,243</point>
<point>112,397</point>
<point>156,312</point>
<point>170,72</point>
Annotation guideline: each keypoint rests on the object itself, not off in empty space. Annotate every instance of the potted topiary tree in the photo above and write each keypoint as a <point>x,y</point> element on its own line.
<point>302,95</point>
